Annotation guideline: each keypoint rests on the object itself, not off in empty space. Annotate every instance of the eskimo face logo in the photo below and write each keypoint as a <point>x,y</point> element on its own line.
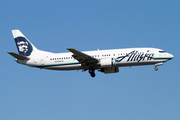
<point>23,46</point>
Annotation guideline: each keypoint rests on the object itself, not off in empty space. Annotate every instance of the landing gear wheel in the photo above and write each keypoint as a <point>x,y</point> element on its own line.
<point>156,68</point>
<point>93,74</point>
<point>91,71</point>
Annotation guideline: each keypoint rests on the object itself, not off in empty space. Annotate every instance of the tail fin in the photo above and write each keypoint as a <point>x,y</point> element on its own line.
<point>24,46</point>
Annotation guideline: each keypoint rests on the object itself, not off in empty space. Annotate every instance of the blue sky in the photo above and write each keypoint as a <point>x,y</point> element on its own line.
<point>137,93</point>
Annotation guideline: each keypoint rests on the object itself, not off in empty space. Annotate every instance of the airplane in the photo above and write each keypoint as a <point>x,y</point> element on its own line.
<point>106,61</point>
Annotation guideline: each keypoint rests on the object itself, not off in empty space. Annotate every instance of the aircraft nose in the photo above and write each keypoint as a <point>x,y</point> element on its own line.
<point>170,56</point>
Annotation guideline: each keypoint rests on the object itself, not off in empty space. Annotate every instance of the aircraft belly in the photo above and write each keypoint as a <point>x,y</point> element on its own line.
<point>122,64</point>
<point>64,67</point>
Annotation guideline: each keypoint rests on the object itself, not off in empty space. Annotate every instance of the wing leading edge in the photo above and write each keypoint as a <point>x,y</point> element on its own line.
<point>82,57</point>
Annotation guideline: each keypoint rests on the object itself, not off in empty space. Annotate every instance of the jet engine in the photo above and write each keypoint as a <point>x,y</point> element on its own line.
<point>109,70</point>
<point>108,62</point>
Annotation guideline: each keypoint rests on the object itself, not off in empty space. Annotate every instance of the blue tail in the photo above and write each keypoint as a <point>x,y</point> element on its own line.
<point>24,46</point>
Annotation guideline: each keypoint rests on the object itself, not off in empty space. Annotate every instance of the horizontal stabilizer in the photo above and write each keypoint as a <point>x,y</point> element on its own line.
<point>19,57</point>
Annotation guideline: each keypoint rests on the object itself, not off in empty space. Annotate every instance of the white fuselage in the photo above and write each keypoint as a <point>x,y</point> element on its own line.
<point>106,61</point>
<point>118,57</point>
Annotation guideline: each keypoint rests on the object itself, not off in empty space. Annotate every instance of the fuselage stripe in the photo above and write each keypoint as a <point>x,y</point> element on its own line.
<point>62,64</point>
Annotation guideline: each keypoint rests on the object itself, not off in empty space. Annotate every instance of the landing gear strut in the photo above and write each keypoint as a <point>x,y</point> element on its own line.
<point>157,64</point>
<point>91,71</point>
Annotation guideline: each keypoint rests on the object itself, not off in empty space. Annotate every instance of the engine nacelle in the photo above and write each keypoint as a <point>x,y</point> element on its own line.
<point>108,62</point>
<point>110,70</point>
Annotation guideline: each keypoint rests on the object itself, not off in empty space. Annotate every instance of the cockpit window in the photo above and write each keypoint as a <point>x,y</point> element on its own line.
<point>162,51</point>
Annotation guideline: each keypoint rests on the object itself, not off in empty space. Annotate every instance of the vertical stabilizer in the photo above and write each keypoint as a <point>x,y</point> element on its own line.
<point>24,46</point>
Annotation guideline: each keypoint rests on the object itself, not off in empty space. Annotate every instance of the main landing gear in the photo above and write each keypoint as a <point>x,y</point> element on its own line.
<point>91,72</point>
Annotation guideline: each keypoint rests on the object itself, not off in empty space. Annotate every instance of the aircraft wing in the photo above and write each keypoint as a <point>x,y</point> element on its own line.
<point>82,57</point>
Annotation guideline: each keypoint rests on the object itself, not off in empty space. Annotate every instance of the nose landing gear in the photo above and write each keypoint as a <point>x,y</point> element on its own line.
<point>157,64</point>
<point>156,69</point>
